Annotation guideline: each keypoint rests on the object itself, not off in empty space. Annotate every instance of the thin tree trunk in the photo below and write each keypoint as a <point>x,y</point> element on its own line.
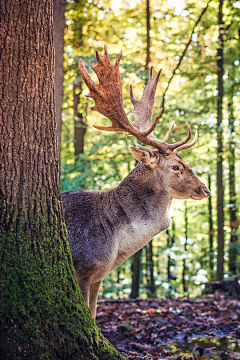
<point>136,267</point>
<point>150,278</point>
<point>232,188</point>
<point>148,34</point>
<point>118,280</point>
<point>169,245</point>
<point>210,227</point>
<point>169,258</point>
<point>43,314</point>
<point>184,268</point>
<point>220,190</point>
<point>59,7</point>
<point>171,262</point>
<point>149,250</point>
<point>137,256</point>
<point>79,126</point>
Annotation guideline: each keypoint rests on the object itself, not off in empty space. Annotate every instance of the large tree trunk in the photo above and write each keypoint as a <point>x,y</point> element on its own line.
<point>43,315</point>
<point>220,190</point>
<point>59,7</point>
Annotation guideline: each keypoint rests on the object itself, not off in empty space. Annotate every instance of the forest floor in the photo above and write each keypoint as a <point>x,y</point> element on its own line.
<point>206,327</point>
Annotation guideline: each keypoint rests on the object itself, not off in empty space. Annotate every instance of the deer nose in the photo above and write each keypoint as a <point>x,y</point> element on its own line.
<point>207,192</point>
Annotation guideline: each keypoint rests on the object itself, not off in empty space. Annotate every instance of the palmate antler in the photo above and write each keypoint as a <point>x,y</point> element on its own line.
<point>109,102</point>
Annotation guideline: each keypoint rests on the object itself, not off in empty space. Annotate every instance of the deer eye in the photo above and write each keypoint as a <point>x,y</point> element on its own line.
<point>175,167</point>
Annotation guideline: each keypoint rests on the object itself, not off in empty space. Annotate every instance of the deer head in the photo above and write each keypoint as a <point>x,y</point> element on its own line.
<point>179,178</point>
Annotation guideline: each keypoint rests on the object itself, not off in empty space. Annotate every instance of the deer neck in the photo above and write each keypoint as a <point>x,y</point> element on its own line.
<point>144,203</point>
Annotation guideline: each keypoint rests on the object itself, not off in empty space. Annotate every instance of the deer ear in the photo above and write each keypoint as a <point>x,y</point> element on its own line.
<point>145,156</point>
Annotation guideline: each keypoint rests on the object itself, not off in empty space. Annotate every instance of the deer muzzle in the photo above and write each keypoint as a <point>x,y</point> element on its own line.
<point>206,191</point>
<point>201,192</point>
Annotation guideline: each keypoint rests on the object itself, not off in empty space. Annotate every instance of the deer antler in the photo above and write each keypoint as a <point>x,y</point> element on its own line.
<point>109,102</point>
<point>108,94</point>
<point>142,111</point>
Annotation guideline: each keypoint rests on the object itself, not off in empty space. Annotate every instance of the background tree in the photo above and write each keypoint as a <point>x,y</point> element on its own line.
<point>136,259</point>
<point>233,249</point>
<point>184,267</point>
<point>79,123</point>
<point>211,230</point>
<point>220,190</point>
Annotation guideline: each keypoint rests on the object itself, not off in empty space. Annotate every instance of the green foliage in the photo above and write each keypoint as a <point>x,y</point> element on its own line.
<point>101,167</point>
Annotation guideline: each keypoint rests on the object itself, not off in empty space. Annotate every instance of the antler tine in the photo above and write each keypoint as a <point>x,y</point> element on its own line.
<point>151,71</point>
<point>142,111</point>
<point>132,97</point>
<point>163,147</point>
<point>187,146</point>
<point>180,143</point>
<point>86,77</point>
<point>105,56</point>
<point>168,133</point>
<point>98,57</point>
<point>118,59</point>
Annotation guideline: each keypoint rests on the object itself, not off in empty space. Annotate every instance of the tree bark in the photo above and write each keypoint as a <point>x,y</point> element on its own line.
<point>220,190</point>
<point>42,311</point>
<point>59,7</point>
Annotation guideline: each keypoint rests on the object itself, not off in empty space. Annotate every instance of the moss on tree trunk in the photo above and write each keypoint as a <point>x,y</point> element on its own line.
<point>43,314</point>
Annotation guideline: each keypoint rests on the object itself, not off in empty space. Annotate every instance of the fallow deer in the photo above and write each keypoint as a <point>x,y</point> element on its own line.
<point>107,227</point>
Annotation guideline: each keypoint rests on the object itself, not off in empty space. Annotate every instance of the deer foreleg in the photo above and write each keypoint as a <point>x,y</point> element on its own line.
<point>94,288</point>
<point>84,285</point>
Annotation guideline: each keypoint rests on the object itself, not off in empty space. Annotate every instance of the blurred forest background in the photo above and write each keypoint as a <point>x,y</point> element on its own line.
<point>197,44</point>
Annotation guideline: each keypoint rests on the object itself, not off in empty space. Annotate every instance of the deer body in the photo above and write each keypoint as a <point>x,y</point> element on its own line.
<point>107,227</point>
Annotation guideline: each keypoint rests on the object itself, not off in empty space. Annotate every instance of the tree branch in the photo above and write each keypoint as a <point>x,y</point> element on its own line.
<point>184,52</point>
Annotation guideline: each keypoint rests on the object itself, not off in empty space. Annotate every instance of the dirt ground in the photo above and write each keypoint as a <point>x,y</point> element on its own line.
<point>207,327</point>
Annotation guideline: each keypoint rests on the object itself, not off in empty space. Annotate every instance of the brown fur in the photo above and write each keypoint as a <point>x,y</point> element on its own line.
<point>107,227</point>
